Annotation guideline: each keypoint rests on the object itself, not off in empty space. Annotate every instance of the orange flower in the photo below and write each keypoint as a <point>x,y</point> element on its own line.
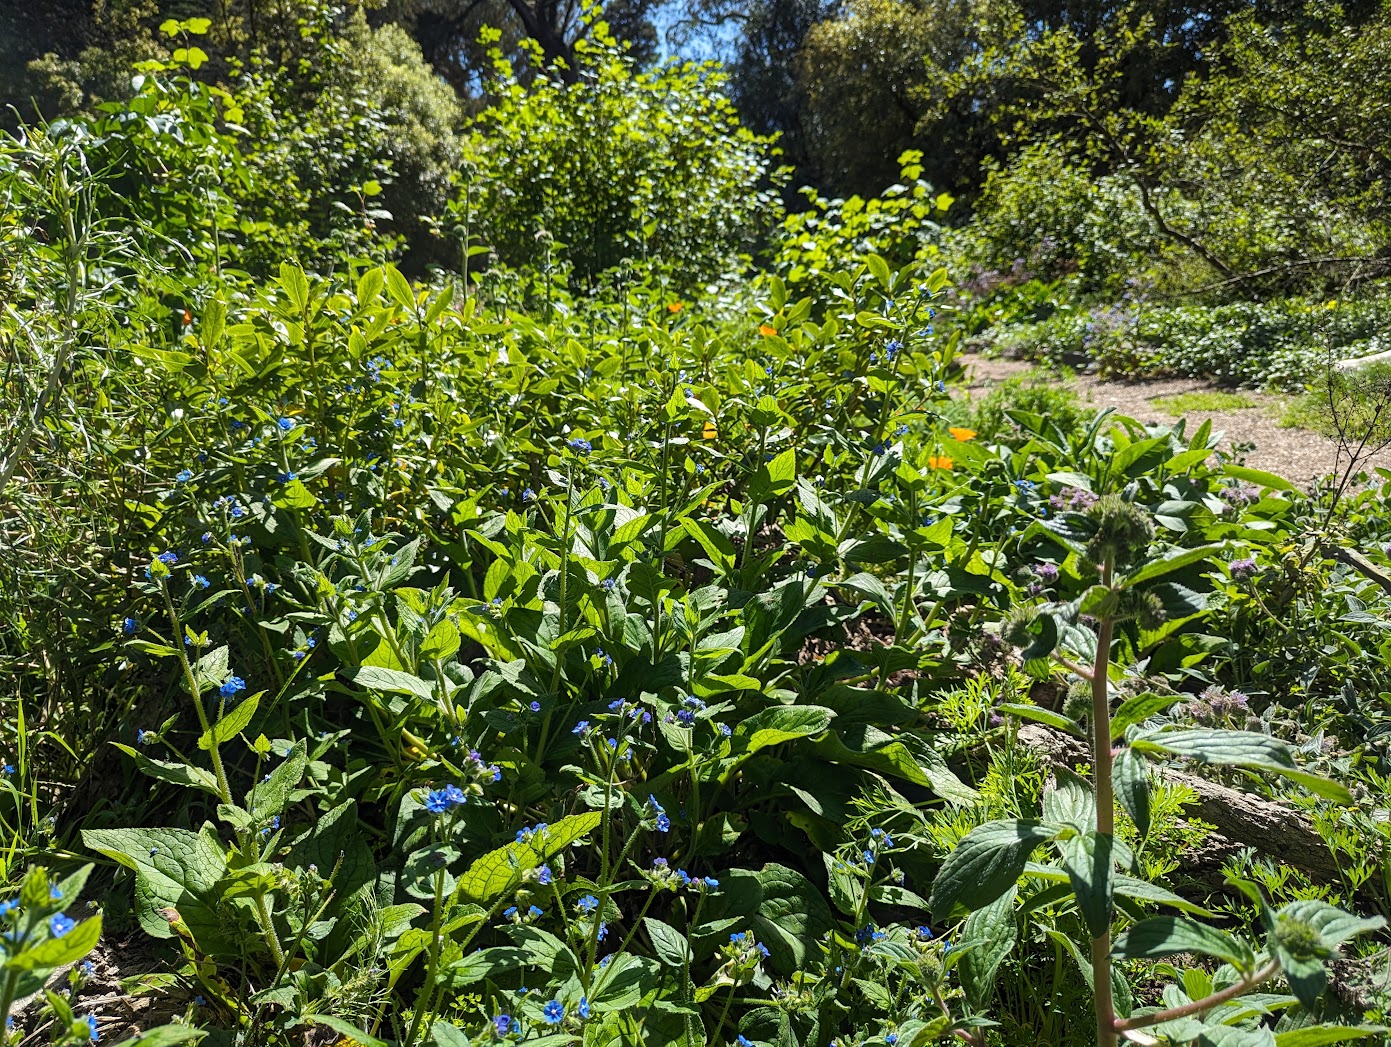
<point>709,432</point>
<point>675,307</point>
<point>188,318</point>
<point>942,462</point>
<point>767,331</point>
<point>962,434</point>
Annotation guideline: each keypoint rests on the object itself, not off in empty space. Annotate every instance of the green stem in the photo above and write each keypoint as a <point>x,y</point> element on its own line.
<point>1105,815</point>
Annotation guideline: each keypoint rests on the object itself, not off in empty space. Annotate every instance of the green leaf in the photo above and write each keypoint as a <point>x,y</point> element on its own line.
<point>668,943</point>
<point>1138,709</point>
<point>781,723</point>
<point>442,1034</point>
<point>230,725</point>
<point>271,795</point>
<point>1070,801</point>
<point>1170,935</point>
<point>1256,752</point>
<point>1144,891</point>
<point>1090,868</point>
<point>485,963</point>
<point>994,931</point>
<point>399,288</point>
<point>174,868</point>
<point>1259,477</point>
<point>774,478</point>
<point>493,873</point>
<point>296,285</point>
<point>1333,924</point>
<point>1130,775</point>
<point>392,681</point>
<point>1323,1035</point>
<point>1172,561</point>
<point>294,495</point>
<point>164,1036</point>
<point>55,952</point>
<point>346,1029</point>
<point>988,860</point>
<point>176,773</point>
<point>1038,714</point>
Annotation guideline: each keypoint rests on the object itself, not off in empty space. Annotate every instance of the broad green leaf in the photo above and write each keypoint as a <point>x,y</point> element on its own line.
<point>1172,561</point>
<point>994,929</point>
<point>271,795</point>
<point>1333,924</point>
<point>55,952</point>
<point>1144,891</point>
<point>392,681</point>
<point>164,1036</point>
<point>1170,935</point>
<point>1069,800</point>
<point>493,873</point>
<point>176,773</point>
<point>774,478</point>
<point>985,864</point>
<point>781,723</point>
<point>296,285</point>
<point>485,963</point>
<point>1323,1035</point>
<point>1138,709</point>
<point>1090,869</point>
<point>346,1029</point>
<point>174,868</point>
<point>1256,752</point>
<point>1259,477</point>
<point>1130,776</point>
<point>231,724</point>
<point>668,943</point>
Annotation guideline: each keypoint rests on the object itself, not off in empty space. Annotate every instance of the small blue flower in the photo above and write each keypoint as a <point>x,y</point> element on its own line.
<point>553,1012</point>
<point>583,1009</point>
<point>528,495</point>
<point>8,906</point>
<point>6,769</point>
<point>502,1025</point>
<point>579,446</point>
<point>544,876</point>
<point>587,904</point>
<point>129,626</point>
<point>437,802</point>
<point>535,707</point>
<point>580,728</point>
<point>663,823</point>
<point>60,925</point>
<point>234,686</point>
<point>183,476</point>
<point>285,425</point>
<point>92,1028</point>
<point>199,582</point>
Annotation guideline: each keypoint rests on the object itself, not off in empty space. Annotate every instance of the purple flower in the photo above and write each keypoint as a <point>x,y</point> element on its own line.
<point>1243,568</point>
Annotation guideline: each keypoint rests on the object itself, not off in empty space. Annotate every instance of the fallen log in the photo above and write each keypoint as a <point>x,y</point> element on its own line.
<point>1241,819</point>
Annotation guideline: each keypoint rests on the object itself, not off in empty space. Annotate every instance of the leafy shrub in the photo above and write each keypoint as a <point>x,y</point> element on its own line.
<point>623,165</point>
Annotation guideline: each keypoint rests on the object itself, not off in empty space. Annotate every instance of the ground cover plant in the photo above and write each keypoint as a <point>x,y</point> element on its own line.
<point>578,653</point>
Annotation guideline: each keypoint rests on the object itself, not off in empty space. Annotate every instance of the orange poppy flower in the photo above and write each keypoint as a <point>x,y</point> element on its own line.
<point>188,318</point>
<point>940,462</point>
<point>767,331</point>
<point>675,307</point>
<point>962,434</point>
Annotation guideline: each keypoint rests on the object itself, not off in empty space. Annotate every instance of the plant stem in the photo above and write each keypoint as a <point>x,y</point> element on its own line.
<point>1105,814</point>
<point>1270,970</point>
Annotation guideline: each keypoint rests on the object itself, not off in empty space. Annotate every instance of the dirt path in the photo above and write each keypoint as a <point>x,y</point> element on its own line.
<point>1298,454</point>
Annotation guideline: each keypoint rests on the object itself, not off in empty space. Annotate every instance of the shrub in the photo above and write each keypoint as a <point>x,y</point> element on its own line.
<point>620,166</point>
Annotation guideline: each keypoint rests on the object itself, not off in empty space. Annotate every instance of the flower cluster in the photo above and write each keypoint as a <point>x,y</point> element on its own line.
<point>440,801</point>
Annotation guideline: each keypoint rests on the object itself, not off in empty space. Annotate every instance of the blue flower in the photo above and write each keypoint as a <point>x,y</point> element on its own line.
<point>6,769</point>
<point>583,1009</point>
<point>580,728</point>
<point>535,707</point>
<point>285,425</point>
<point>587,904</point>
<point>233,686</point>
<point>92,1028</point>
<point>129,626</point>
<point>8,906</point>
<point>553,1012</point>
<point>663,823</point>
<point>54,894</point>
<point>502,1025</point>
<point>544,876</point>
<point>60,925</point>
<point>580,446</point>
<point>744,1041</point>
<point>183,476</point>
<point>168,558</point>
<point>199,582</point>
<point>437,802</point>
<point>528,495</point>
